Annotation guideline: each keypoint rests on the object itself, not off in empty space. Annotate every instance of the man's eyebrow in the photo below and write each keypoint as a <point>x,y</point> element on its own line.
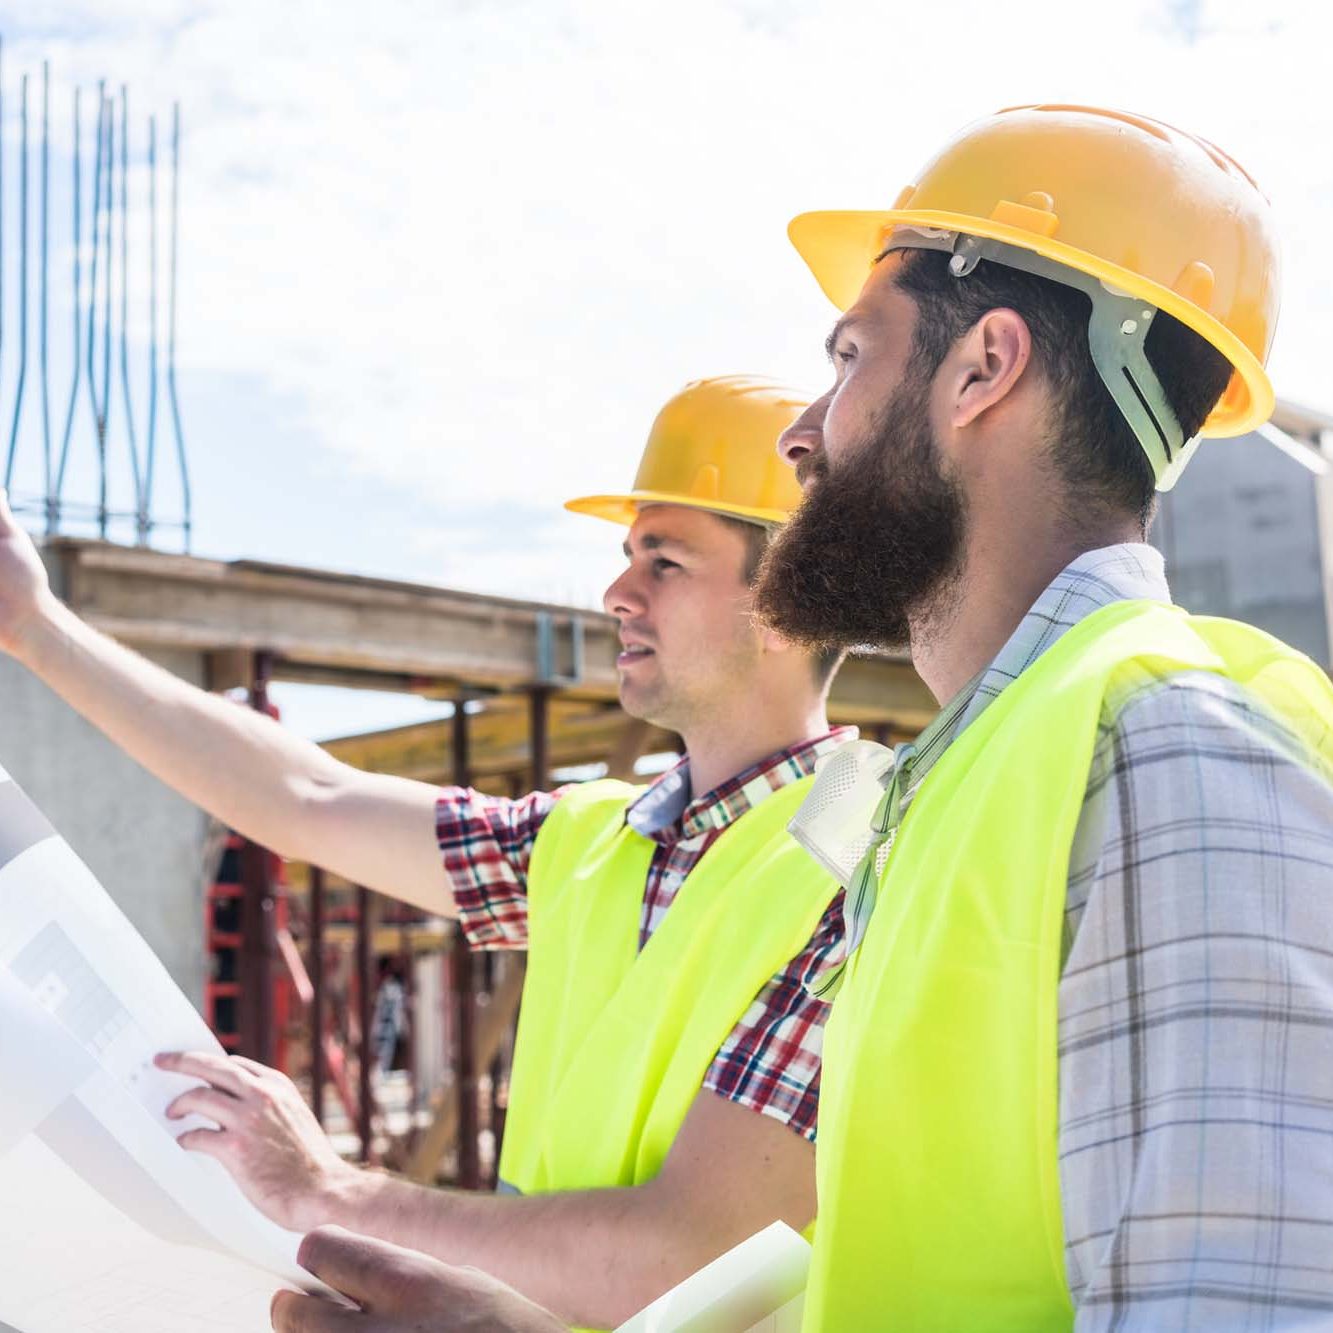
<point>652,541</point>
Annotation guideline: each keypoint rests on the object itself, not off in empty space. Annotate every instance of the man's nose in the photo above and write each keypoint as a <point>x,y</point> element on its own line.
<point>623,598</point>
<point>805,435</point>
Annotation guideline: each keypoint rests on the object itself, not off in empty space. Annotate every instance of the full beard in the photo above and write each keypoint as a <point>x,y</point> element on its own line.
<point>875,545</point>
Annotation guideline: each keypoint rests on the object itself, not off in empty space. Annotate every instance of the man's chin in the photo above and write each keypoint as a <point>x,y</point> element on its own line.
<point>639,699</point>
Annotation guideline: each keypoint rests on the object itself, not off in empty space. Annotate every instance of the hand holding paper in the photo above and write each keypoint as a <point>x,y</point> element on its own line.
<point>120,1231</point>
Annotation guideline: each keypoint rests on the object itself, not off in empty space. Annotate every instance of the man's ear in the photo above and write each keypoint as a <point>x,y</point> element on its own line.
<point>987,363</point>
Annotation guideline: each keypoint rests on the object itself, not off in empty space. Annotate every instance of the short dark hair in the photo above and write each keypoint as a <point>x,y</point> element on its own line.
<point>1095,454</point>
<point>757,537</point>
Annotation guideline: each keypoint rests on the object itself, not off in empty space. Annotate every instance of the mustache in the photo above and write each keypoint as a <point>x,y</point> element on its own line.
<point>813,467</point>
<point>632,631</point>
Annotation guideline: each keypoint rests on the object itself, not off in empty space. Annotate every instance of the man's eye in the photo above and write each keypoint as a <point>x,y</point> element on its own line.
<point>661,565</point>
<point>845,355</point>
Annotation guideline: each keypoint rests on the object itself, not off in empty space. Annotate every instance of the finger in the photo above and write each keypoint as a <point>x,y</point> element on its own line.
<point>212,1068</point>
<point>253,1067</point>
<point>219,1106</point>
<point>292,1312</point>
<point>207,1142</point>
<point>370,1272</point>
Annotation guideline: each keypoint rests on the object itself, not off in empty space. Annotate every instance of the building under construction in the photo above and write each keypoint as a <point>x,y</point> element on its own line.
<point>284,960</point>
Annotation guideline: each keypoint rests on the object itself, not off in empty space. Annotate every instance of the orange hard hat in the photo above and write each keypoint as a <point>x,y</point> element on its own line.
<point>714,446</point>
<point>1148,211</point>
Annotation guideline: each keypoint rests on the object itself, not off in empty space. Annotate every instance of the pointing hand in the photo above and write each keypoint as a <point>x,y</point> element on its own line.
<point>24,587</point>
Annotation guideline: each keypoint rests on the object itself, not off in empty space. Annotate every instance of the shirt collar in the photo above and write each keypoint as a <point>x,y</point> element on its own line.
<point>667,811</point>
<point>1127,571</point>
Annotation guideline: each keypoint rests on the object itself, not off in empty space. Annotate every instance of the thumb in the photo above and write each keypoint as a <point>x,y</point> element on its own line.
<point>356,1266</point>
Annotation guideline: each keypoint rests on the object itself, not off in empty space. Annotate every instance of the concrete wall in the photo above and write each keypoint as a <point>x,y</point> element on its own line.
<point>142,841</point>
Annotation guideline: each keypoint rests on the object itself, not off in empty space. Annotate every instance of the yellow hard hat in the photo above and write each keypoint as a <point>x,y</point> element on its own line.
<point>714,446</point>
<point>1147,211</point>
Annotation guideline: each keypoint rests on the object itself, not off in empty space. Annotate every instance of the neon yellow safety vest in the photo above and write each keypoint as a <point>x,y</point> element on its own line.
<point>939,1192</point>
<point>613,1041</point>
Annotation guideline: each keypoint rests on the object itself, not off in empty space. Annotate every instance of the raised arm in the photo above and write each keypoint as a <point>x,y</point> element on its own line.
<point>276,788</point>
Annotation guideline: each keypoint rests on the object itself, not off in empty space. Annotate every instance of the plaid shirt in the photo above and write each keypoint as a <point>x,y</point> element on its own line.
<point>771,1060</point>
<point>1196,997</point>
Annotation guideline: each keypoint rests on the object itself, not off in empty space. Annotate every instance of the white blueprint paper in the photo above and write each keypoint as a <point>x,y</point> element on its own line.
<point>105,1223</point>
<point>756,1287</point>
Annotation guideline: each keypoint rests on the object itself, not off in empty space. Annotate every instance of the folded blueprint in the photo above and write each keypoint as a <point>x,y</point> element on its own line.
<point>756,1287</point>
<point>106,1224</point>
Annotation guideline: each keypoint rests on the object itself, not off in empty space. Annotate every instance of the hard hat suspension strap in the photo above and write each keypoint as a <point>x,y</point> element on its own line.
<point>1117,329</point>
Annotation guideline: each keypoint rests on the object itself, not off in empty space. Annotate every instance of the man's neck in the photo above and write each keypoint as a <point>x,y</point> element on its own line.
<point>719,750</point>
<point>964,630</point>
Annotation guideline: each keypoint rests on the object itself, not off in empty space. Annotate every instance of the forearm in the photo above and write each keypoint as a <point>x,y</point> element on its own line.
<point>594,1257</point>
<point>237,764</point>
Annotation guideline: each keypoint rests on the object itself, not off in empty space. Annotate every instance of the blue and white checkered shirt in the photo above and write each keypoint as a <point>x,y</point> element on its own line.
<point>1196,997</point>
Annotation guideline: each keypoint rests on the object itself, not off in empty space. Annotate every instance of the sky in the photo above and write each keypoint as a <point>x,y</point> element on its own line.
<point>440,263</point>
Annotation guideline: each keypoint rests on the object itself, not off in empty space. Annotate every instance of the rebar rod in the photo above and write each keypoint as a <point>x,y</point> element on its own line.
<point>23,282</point>
<point>171,326</point>
<point>150,448</point>
<point>53,512</point>
<point>43,321</point>
<point>103,426</point>
<point>2,200</point>
<point>94,220</point>
<point>141,522</point>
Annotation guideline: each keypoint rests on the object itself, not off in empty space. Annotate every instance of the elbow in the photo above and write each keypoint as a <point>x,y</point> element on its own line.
<point>307,804</point>
<point>680,1240</point>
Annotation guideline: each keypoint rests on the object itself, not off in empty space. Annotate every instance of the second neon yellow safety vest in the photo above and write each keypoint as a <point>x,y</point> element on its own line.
<point>939,1191</point>
<point>613,1041</point>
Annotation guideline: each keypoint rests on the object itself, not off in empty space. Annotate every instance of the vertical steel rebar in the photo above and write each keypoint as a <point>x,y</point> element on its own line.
<point>104,425</point>
<point>150,445</point>
<point>53,509</point>
<point>92,346</point>
<point>94,217</point>
<point>23,281</point>
<point>171,329</point>
<point>46,229</point>
<point>2,200</point>
<point>140,519</point>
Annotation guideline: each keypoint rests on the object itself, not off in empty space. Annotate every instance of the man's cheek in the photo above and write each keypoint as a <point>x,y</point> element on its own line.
<point>852,416</point>
<point>838,435</point>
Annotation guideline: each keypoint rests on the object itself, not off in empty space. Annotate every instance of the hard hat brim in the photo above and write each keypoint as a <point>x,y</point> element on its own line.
<point>624,509</point>
<point>840,248</point>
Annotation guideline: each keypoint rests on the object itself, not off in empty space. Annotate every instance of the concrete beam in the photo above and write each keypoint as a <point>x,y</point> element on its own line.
<point>309,617</point>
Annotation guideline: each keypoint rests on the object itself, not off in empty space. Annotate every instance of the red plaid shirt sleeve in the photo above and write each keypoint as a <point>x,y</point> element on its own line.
<point>486,843</point>
<point>772,1058</point>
